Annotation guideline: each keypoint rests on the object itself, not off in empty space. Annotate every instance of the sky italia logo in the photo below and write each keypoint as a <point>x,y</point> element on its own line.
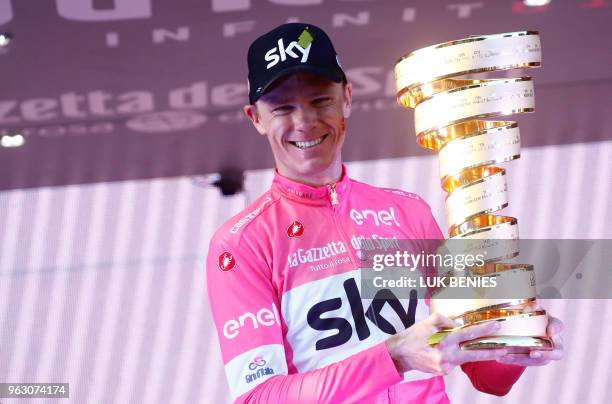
<point>316,253</point>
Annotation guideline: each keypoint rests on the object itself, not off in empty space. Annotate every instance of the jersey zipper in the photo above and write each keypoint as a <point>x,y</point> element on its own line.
<point>333,197</point>
<point>333,194</point>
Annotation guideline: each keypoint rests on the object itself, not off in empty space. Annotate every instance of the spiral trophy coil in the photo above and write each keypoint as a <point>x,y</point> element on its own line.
<point>462,120</point>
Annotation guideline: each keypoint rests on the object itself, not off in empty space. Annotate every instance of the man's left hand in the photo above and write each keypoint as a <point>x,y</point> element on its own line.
<point>540,358</point>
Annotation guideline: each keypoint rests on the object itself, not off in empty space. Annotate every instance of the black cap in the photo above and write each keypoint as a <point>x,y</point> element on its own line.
<point>290,48</point>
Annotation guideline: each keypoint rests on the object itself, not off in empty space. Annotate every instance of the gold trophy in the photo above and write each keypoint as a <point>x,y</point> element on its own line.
<point>456,117</point>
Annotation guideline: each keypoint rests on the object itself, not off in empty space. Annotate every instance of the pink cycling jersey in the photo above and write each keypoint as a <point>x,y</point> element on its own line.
<point>284,287</point>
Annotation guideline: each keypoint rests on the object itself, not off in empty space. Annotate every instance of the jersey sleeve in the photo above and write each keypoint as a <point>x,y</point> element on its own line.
<point>492,377</point>
<point>432,229</point>
<point>246,312</point>
<point>351,380</point>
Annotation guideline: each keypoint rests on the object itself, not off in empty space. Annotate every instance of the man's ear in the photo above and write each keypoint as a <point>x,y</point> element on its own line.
<point>348,99</point>
<point>251,112</point>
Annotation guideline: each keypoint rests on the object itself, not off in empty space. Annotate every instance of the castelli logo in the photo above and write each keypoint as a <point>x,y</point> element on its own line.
<point>295,229</point>
<point>226,261</point>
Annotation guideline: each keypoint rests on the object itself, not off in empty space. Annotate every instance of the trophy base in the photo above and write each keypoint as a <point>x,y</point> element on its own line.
<point>514,344</point>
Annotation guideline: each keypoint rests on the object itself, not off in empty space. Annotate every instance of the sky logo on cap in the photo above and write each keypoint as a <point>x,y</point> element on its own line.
<point>305,39</point>
<point>303,45</point>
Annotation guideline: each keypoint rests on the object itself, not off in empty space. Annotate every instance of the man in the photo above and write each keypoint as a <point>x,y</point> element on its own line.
<point>283,274</point>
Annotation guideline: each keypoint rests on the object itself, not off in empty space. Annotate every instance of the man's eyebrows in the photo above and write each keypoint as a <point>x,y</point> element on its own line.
<point>321,93</point>
<point>278,99</point>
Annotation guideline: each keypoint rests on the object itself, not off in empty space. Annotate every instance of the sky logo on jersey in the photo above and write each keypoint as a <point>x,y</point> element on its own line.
<point>319,317</point>
<point>264,317</point>
<point>227,262</point>
<point>295,229</point>
<point>314,254</point>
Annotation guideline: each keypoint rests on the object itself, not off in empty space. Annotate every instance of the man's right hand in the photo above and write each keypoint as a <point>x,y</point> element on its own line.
<point>410,350</point>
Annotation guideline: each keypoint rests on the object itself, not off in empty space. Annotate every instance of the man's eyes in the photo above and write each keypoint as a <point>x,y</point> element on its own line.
<point>322,101</point>
<point>282,109</point>
<point>317,102</point>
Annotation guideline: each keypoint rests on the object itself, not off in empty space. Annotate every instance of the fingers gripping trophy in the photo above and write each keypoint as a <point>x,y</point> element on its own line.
<point>462,120</point>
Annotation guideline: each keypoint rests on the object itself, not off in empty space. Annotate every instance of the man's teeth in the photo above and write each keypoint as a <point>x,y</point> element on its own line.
<point>309,144</point>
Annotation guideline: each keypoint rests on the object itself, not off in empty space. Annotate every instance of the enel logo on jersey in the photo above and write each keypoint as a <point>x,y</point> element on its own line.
<point>386,217</point>
<point>318,320</point>
<point>265,317</point>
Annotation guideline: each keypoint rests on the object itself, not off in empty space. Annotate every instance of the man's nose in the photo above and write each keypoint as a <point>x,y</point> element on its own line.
<point>304,118</point>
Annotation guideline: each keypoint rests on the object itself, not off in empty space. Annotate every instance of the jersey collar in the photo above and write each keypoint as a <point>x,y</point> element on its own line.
<point>310,194</point>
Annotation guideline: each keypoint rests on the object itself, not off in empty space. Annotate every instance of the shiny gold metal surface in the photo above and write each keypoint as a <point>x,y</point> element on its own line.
<point>487,226</point>
<point>458,117</point>
<point>515,324</point>
<point>482,148</point>
<point>488,99</point>
<point>514,344</point>
<point>474,54</point>
<point>438,139</point>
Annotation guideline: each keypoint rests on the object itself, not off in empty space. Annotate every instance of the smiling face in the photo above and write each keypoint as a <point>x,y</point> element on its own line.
<point>303,117</point>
